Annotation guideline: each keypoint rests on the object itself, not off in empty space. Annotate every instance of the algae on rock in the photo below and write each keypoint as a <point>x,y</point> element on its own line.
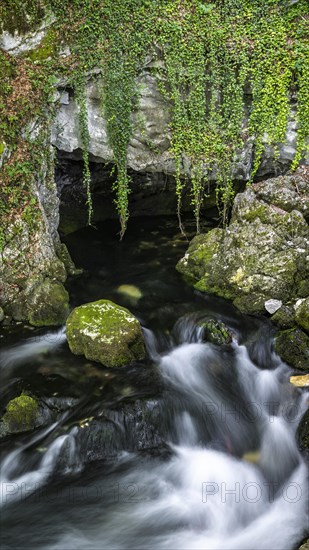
<point>105,332</point>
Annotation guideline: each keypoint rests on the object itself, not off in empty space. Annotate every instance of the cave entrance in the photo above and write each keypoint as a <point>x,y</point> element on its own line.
<point>152,193</point>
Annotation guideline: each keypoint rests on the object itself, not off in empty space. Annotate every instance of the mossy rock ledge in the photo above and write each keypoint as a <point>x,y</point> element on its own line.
<point>105,332</point>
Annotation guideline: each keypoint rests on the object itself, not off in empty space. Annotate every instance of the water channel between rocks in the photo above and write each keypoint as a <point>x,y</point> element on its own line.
<point>194,448</point>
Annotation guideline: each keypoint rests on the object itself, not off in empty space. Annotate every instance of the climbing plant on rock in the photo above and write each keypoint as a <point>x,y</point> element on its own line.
<point>216,55</point>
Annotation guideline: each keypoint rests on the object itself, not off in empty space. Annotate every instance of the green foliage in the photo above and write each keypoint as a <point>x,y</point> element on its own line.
<point>80,87</point>
<point>219,58</point>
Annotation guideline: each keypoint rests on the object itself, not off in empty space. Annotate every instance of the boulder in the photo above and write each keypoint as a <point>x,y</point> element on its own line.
<point>105,332</point>
<point>293,347</point>
<point>49,304</point>
<point>22,415</point>
<point>302,313</point>
<point>216,332</point>
<point>261,256</point>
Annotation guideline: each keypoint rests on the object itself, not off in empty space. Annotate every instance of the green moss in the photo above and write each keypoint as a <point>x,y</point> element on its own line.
<point>216,332</point>
<point>21,414</point>
<point>47,48</point>
<point>64,255</point>
<point>261,212</point>
<point>105,332</point>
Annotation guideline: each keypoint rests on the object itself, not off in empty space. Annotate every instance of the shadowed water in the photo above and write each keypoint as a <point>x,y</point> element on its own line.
<point>225,472</point>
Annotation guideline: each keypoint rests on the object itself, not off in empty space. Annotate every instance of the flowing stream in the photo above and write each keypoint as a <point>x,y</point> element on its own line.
<point>198,449</point>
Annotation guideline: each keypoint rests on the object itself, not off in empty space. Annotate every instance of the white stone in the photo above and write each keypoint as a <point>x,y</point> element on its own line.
<point>272,305</point>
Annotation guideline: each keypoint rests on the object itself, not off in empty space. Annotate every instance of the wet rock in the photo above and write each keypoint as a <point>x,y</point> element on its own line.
<point>105,332</point>
<point>216,332</point>
<point>49,304</point>
<point>132,294</point>
<point>135,426</point>
<point>302,313</point>
<point>22,415</point>
<point>1,315</point>
<point>293,348</point>
<point>303,432</point>
<point>305,545</point>
<point>261,256</point>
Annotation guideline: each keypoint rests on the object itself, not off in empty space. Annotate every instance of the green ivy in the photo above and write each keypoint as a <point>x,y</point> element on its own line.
<point>220,57</point>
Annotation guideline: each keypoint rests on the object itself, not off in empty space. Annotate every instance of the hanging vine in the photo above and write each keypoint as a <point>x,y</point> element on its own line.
<point>216,54</point>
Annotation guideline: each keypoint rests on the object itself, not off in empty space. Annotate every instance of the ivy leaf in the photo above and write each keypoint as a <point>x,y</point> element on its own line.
<point>205,8</point>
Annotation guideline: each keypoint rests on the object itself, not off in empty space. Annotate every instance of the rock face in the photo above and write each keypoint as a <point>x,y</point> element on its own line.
<point>28,261</point>
<point>261,259</point>
<point>105,332</point>
<point>31,273</point>
<point>148,149</point>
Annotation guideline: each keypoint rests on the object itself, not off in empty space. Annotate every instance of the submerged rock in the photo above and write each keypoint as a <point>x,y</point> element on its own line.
<point>105,332</point>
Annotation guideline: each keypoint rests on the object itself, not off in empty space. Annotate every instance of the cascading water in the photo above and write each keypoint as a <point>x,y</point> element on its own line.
<point>228,476</point>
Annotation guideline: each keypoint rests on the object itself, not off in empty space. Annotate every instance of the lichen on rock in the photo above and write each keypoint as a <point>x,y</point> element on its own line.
<point>105,332</point>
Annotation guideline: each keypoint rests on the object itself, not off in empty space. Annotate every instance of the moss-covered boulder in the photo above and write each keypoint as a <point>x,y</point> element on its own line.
<point>261,256</point>
<point>22,415</point>
<point>293,348</point>
<point>49,304</point>
<point>105,332</point>
<point>302,313</point>
<point>216,332</point>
